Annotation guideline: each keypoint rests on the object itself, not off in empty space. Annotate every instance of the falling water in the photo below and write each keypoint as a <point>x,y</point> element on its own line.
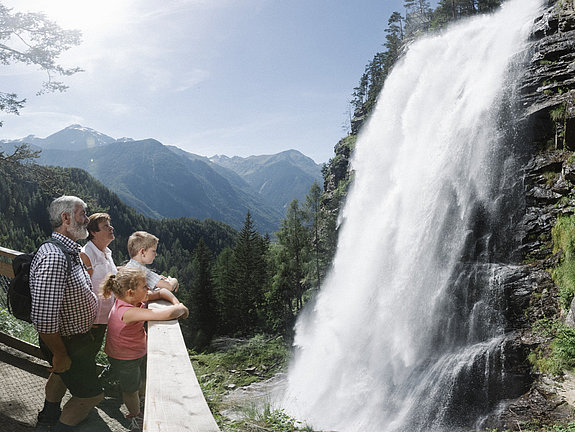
<point>408,333</point>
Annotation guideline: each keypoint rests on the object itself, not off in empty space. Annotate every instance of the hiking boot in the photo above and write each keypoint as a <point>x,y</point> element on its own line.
<point>48,417</point>
<point>137,424</point>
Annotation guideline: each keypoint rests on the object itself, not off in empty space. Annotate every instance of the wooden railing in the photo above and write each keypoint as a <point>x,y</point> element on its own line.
<point>6,265</point>
<point>174,399</point>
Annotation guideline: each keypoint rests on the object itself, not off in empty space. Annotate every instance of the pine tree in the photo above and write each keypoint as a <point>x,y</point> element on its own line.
<point>280,312</point>
<point>226,297</point>
<point>313,219</point>
<point>293,237</point>
<point>250,276</point>
<point>201,299</point>
<point>417,17</point>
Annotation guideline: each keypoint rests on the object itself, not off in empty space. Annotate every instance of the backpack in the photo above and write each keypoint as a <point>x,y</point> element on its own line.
<point>19,298</point>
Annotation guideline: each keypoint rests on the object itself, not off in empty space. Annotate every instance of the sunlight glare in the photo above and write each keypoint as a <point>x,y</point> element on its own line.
<point>83,15</point>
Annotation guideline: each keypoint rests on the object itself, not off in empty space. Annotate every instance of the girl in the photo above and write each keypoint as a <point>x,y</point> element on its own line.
<point>126,337</point>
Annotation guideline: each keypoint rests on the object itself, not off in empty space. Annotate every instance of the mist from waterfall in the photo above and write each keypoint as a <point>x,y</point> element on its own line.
<point>408,332</point>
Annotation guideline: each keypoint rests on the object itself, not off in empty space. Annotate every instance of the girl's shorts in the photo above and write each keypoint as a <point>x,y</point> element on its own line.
<point>130,373</point>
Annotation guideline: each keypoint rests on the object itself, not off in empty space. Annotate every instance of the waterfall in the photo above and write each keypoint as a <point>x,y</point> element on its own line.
<point>408,333</point>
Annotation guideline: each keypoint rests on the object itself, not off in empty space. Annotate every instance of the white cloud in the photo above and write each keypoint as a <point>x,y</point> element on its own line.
<point>192,79</point>
<point>119,109</point>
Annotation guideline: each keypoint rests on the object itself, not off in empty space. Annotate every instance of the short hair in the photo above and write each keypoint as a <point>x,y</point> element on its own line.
<point>119,283</point>
<point>93,225</point>
<point>63,204</point>
<point>141,240</point>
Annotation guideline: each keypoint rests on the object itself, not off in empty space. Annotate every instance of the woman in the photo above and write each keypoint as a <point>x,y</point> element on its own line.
<point>97,258</point>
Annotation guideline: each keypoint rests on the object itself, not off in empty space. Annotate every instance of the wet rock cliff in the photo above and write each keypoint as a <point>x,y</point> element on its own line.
<point>548,119</point>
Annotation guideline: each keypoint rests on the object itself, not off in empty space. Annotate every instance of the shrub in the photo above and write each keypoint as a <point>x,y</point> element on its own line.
<point>563,235</point>
<point>559,353</point>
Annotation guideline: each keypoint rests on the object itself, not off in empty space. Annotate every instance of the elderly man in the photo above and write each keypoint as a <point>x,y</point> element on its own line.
<point>63,312</point>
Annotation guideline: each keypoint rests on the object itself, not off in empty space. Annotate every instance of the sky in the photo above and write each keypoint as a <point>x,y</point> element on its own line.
<point>227,77</point>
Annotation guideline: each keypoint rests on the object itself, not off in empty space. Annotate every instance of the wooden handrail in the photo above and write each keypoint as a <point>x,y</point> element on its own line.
<point>6,268</point>
<point>174,399</point>
<point>9,252</point>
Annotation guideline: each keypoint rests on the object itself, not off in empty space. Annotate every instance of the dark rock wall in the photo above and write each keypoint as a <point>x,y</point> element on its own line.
<point>548,103</point>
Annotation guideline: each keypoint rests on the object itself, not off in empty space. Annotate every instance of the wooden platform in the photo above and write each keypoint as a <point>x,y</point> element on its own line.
<point>23,379</point>
<point>174,399</point>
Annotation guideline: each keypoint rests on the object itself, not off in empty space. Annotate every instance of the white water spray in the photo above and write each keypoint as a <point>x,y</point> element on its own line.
<point>408,334</point>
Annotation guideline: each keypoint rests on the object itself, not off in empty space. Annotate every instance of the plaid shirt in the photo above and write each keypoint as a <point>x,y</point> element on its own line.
<point>61,303</point>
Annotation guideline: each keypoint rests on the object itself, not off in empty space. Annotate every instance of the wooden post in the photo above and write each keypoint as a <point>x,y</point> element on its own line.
<point>174,399</point>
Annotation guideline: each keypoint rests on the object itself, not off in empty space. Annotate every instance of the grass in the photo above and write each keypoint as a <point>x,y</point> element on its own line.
<point>17,328</point>
<point>26,331</point>
<point>563,235</point>
<point>559,353</point>
<point>238,364</point>
<point>555,428</point>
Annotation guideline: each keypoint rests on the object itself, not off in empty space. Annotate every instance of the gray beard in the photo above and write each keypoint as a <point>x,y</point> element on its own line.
<point>77,231</point>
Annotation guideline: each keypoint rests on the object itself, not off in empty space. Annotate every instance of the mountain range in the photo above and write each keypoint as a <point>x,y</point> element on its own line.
<point>166,182</point>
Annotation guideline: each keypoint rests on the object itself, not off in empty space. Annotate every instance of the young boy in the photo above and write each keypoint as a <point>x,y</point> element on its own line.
<point>142,249</point>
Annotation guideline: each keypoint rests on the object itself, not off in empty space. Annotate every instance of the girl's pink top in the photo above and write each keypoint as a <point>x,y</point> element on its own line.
<point>125,341</point>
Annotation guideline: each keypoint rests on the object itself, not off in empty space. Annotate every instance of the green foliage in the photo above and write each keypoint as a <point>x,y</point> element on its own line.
<point>32,39</point>
<point>316,266</point>
<point>224,293</point>
<point>550,428</point>
<point>563,235</point>
<point>294,240</point>
<point>551,177</point>
<point>17,328</point>
<point>240,364</point>
<point>279,421</point>
<point>266,419</point>
<point>201,326</point>
<point>558,354</point>
<point>249,267</point>
<point>559,117</point>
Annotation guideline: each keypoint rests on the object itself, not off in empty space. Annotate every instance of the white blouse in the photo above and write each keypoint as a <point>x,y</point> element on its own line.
<point>102,266</point>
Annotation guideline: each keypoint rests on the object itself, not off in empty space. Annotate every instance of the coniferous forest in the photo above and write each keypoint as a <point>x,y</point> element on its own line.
<point>234,283</point>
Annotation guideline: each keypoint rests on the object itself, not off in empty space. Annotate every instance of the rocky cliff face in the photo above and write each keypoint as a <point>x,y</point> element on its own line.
<point>548,101</point>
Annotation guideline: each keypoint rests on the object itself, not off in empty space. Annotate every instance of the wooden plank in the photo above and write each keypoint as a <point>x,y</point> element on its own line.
<point>21,345</point>
<point>9,252</point>
<point>6,269</point>
<point>174,399</point>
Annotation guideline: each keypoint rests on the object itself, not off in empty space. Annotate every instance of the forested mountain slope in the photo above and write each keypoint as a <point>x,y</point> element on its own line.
<point>165,181</point>
<point>154,180</point>
<point>26,191</point>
